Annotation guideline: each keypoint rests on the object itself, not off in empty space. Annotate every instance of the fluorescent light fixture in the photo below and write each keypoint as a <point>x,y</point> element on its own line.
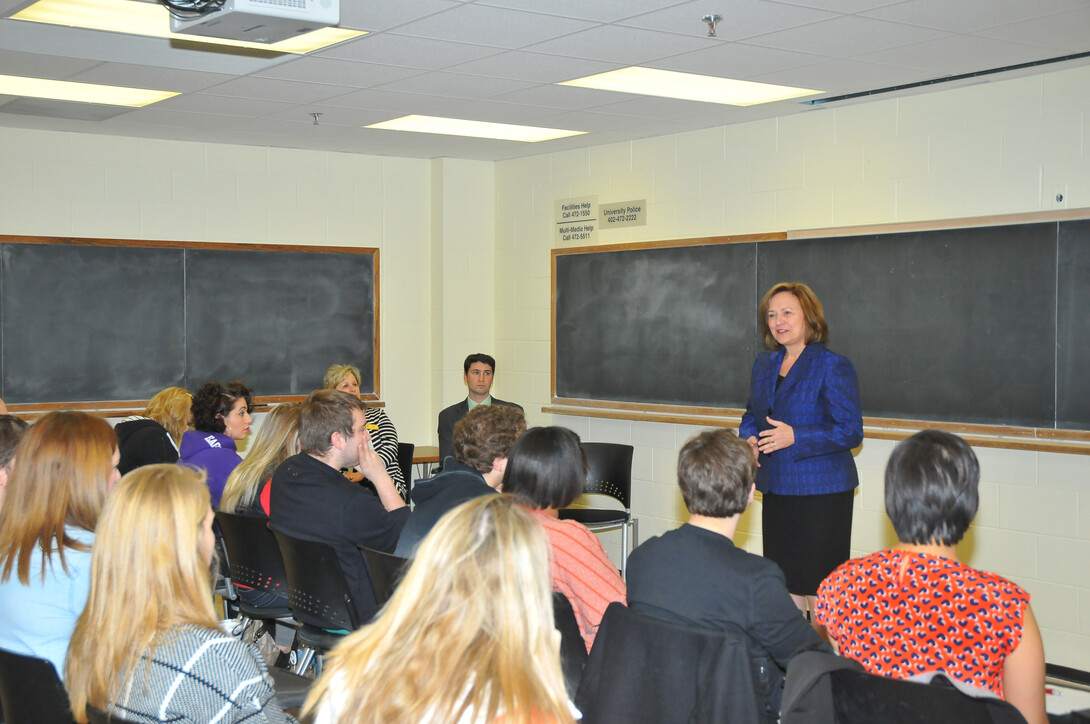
<point>152,19</point>
<point>62,90</point>
<point>477,129</point>
<point>689,86</point>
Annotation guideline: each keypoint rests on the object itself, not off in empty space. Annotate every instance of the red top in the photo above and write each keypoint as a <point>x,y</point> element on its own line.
<point>582,571</point>
<point>900,614</point>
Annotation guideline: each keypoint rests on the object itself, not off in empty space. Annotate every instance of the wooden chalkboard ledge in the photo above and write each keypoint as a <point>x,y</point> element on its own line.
<point>878,428</point>
<point>126,408</point>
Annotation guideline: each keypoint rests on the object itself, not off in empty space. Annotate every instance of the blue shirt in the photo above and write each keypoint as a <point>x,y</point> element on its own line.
<point>37,620</point>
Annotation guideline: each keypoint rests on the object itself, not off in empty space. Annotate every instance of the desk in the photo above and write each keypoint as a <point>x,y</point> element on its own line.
<point>423,455</point>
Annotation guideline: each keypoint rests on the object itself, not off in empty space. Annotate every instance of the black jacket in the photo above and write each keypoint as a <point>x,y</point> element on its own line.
<point>143,441</point>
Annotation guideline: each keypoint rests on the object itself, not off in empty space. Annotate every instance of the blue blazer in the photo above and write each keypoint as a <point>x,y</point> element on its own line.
<point>819,398</point>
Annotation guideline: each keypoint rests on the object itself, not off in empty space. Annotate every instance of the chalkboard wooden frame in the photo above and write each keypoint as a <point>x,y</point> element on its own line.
<point>1034,437</point>
<point>364,276</point>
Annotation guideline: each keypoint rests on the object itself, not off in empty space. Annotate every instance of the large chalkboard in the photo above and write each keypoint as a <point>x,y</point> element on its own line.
<point>975,325</point>
<point>93,320</point>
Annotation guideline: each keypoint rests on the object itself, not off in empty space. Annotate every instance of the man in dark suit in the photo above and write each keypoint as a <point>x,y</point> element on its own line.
<point>479,369</point>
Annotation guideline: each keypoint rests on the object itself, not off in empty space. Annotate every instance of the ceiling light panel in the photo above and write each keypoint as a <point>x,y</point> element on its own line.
<point>475,129</point>
<point>63,90</point>
<point>689,86</point>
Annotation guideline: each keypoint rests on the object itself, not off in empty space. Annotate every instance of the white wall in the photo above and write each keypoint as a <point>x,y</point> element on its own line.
<point>994,148</point>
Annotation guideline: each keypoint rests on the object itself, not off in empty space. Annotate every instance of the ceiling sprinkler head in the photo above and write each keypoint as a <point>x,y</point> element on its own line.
<point>711,20</point>
<point>315,117</point>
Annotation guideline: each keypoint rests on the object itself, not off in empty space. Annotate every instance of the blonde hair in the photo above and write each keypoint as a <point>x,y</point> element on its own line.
<point>276,441</point>
<point>468,631</point>
<point>150,543</point>
<point>336,373</point>
<point>170,408</point>
<point>61,477</point>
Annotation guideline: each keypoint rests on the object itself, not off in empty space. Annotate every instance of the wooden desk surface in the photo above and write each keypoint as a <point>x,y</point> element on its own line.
<point>425,454</point>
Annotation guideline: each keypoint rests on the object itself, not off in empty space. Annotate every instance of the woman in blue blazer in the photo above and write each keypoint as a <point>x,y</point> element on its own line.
<point>802,421</point>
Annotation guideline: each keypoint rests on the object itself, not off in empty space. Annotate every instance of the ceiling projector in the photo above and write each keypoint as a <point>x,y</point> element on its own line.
<point>259,21</point>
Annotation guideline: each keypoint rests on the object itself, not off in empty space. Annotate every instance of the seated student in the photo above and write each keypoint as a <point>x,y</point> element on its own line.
<point>481,441</point>
<point>346,378</point>
<point>160,655</point>
<point>467,637</point>
<point>221,417</point>
<point>11,432</point>
<point>694,575</point>
<point>154,437</point>
<point>546,469</point>
<point>313,501</point>
<point>479,374</point>
<point>247,490</point>
<point>915,608</point>
<point>67,462</point>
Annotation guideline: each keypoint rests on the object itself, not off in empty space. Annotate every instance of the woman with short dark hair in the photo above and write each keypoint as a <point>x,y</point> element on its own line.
<point>546,470</point>
<point>916,609</point>
<point>221,417</point>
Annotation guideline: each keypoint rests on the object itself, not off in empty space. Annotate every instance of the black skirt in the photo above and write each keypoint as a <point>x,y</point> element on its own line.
<point>807,536</point>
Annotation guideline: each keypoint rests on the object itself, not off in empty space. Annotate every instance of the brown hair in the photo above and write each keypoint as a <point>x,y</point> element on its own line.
<point>324,413</point>
<point>61,477</point>
<point>11,432</point>
<point>715,471</point>
<point>818,330</point>
<point>171,408</point>
<point>487,433</point>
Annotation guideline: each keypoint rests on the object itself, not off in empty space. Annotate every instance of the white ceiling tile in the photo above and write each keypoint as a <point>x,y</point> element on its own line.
<point>340,72</point>
<point>562,97</point>
<point>39,65</point>
<point>272,89</point>
<point>1063,32</point>
<point>605,11</point>
<point>457,85</point>
<point>736,60</point>
<point>846,36</point>
<point>966,16</point>
<point>628,46</point>
<point>495,27</point>
<point>956,54</point>
<point>844,76</point>
<point>395,103</point>
<point>741,18</point>
<point>407,51</point>
<point>142,76</point>
<point>538,67</point>
<point>373,16</point>
<point>843,6</point>
<point>494,112</point>
<point>223,105</point>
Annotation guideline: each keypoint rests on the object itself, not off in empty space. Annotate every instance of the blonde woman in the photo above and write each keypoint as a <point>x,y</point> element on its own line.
<point>154,436</point>
<point>467,637</point>
<point>346,378</point>
<point>247,488</point>
<point>67,462</point>
<point>160,656</point>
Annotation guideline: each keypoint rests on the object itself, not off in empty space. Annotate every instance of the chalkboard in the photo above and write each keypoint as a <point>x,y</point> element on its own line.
<point>102,320</point>
<point>975,325</point>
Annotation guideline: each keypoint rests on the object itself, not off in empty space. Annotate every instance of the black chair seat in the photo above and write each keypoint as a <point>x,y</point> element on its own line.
<point>263,613</point>
<point>31,691</point>
<point>291,689</point>
<point>595,516</point>
<point>318,638</point>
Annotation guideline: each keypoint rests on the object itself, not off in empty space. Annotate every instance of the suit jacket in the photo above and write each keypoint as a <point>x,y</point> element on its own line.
<point>453,414</point>
<point>820,400</point>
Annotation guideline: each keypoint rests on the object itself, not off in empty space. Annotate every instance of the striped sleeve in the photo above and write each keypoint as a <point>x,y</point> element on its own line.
<point>384,441</point>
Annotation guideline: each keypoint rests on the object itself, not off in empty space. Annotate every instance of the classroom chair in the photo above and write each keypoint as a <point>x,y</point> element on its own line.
<point>609,474</point>
<point>31,691</point>
<point>385,571</point>
<point>573,650</point>
<point>642,669</point>
<point>405,452</point>
<point>318,597</point>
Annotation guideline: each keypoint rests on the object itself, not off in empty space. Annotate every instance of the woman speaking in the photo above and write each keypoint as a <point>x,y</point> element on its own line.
<point>802,421</point>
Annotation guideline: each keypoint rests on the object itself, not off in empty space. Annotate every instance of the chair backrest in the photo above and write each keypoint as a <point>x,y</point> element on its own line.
<point>252,553</point>
<point>385,570</point>
<point>31,691</point>
<point>317,592</point>
<point>643,669</point>
<point>609,471</point>
<point>573,650</point>
<point>405,452</point>
<point>826,689</point>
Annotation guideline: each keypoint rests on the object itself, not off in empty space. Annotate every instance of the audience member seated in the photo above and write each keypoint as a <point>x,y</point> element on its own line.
<point>67,461</point>
<point>546,469</point>
<point>247,489</point>
<point>481,441</point>
<point>148,647</point>
<point>480,371</point>
<point>11,432</point>
<point>154,437</point>
<point>346,378</point>
<point>916,609</point>
<point>221,417</point>
<point>695,576</point>
<point>467,637</point>
<point>313,501</point>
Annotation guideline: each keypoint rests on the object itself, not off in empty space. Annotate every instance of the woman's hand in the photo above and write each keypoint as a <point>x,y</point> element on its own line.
<point>752,440</point>
<point>780,436</point>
